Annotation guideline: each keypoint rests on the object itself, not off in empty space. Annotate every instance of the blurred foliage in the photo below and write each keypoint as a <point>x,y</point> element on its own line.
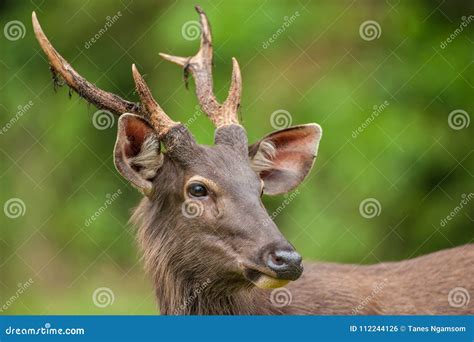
<point>319,70</point>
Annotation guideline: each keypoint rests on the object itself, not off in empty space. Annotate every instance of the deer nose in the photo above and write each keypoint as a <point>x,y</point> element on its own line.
<point>285,263</point>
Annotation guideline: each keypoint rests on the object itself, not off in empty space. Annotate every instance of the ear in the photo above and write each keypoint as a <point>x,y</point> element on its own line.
<point>284,158</point>
<point>137,152</point>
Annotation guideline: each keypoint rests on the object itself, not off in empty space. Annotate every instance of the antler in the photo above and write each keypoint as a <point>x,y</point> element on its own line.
<point>200,66</point>
<point>157,116</point>
<point>149,108</point>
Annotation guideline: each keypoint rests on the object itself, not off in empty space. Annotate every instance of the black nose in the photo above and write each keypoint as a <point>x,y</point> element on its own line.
<point>285,263</point>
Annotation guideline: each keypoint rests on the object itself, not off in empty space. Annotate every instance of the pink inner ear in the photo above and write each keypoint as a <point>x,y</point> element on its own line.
<point>288,158</point>
<point>295,150</point>
<point>136,133</point>
<point>295,147</point>
<point>132,133</point>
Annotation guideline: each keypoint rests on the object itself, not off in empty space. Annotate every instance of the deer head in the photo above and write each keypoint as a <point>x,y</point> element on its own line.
<point>202,215</point>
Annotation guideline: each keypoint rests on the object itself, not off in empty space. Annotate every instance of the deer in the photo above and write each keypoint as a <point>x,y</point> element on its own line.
<point>207,241</point>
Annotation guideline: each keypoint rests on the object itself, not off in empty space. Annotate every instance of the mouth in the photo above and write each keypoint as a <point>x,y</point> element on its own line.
<point>263,278</point>
<point>264,281</point>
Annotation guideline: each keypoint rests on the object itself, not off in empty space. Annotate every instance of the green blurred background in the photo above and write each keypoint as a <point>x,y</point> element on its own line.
<point>318,68</point>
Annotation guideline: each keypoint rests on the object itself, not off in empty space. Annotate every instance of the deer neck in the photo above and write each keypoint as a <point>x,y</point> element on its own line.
<point>182,291</point>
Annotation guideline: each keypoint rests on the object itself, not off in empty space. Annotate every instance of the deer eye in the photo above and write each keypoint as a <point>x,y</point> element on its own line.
<point>197,190</point>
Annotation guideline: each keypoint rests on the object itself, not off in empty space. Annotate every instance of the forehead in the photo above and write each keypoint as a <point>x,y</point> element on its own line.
<point>223,165</point>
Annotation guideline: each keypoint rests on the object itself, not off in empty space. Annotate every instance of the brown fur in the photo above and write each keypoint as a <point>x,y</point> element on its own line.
<point>193,271</point>
<point>416,286</point>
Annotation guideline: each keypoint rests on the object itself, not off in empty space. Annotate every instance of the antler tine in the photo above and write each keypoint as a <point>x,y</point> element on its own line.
<point>98,97</point>
<point>155,114</point>
<point>200,66</point>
